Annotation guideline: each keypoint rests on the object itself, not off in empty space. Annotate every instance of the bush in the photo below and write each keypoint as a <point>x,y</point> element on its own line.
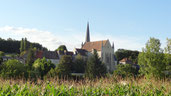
<point>126,70</point>
<point>41,67</point>
<point>12,69</point>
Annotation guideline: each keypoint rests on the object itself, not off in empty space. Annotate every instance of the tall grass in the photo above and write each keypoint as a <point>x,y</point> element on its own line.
<point>112,86</point>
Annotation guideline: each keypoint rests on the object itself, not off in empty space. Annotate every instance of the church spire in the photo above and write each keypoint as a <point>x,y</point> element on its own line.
<point>87,33</point>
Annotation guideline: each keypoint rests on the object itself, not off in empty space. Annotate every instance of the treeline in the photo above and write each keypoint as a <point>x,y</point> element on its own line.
<point>13,46</point>
<point>131,55</point>
<point>153,61</point>
<point>40,68</point>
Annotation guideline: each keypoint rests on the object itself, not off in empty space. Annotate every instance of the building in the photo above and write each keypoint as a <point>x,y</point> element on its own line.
<point>49,55</point>
<point>125,61</point>
<point>103,48</point>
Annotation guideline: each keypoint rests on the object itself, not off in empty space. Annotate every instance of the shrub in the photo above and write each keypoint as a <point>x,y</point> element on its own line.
<point>127,70</point>
<point>41,67</point>
<point>12,69</point>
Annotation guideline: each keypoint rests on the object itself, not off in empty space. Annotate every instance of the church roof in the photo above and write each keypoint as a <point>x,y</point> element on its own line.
<point>81,52</point>
<point>94,45</point>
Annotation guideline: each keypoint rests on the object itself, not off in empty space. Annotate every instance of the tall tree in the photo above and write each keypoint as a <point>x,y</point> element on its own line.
<point>30,57</point>
<point>95,68</point>
<point>22,45</point>
<point>168,55</point>
<point>64,66</point>
<point>151,59</point>
<point>79,64</point>
<point>25,44</point>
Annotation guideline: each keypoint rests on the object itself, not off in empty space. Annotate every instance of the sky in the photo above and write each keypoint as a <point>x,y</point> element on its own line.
<point>127,23</point>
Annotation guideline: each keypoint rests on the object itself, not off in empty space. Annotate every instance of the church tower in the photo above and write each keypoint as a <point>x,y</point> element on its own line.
<point>87,34</point>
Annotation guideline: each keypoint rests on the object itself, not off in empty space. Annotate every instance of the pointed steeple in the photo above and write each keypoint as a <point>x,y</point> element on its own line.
<point>87,33</point>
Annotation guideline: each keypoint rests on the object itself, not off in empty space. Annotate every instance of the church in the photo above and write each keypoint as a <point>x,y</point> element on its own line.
<point>103,48</point>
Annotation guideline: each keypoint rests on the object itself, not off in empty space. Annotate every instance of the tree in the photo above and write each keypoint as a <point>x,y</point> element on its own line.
<point>30,58</point>
<point>12,69</point>
<point>14,46</point>
<point>1,60</point>
<point>61,48</point>
<point>42,67</point>
<point>123,53</point>
<point>168,56</point>
<point>126,70</point>
<point>25,44</point>
<point>79,65</point>
<point>64,66</point>
<point>22,45</point>
<point>151,59</point>
<point>2,53</point>
<point>95,68</point>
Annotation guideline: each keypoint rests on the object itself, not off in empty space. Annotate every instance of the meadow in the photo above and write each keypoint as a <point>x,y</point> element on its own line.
<point>112,86</point>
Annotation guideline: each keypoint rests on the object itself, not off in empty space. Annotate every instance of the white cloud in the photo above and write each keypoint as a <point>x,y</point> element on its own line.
<point>45,38</point>
<point>52,41</point>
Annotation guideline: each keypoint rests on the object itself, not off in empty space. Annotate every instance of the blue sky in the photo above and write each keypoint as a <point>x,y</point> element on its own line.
<point>128,23</point>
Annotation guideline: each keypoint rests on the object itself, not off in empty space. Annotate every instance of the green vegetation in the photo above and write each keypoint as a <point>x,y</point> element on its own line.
<point>151,59</point>
<point>95,68</point>
<point>2,53</point>
<point>40,77</point>
<point>30,58</point>
<point>99,87</point>
<point>64,66</point>
<point>123,53</point>
<point>12,69</point>
<point>61,48</point>
<point>14,46</point>
<point>126,70</point>
<point>41,67</point>
<point>79,64</point>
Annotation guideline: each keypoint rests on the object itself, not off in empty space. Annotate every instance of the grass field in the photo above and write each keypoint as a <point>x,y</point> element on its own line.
<point>98,87</point>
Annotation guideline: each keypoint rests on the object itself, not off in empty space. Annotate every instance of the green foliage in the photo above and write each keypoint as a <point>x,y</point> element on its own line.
<point>42,67</point>
<point>95,68</point>
<point>30,57</point>
<point>1,60</point>
<point>151,59</point>
<point>122,53</point>
<point>126,70</point>
<point>61,48</point>
<point>22,45</point>
<point>25,47</point>
<point>99,88</point>
<point>64,66</point>
<point>168,57</point>
<point>12,69</point>
<point>2,53</point>
<point>79,65</point>
<point>14,46</point>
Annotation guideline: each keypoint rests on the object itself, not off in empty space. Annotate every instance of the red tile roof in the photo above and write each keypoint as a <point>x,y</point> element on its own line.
<point>39,54</point>
<point>94,45</point>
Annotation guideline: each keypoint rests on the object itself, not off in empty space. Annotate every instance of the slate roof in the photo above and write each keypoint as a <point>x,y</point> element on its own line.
<point>81,52</point>
<point>94,45</point>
